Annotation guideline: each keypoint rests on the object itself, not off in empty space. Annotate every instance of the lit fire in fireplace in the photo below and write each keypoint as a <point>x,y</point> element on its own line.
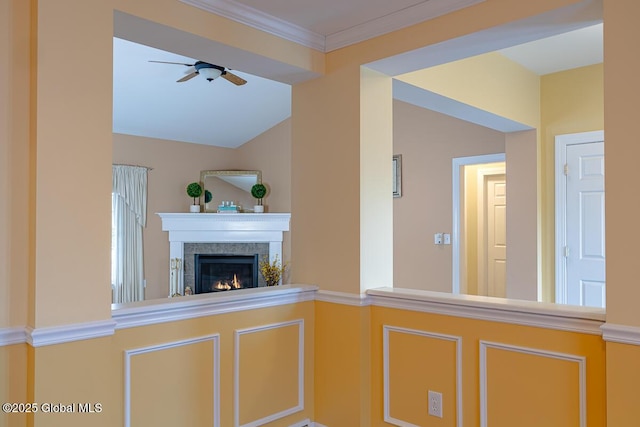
<point>226,286</point>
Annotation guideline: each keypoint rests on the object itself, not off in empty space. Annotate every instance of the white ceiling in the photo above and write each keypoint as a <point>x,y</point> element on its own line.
<point>148,102</point>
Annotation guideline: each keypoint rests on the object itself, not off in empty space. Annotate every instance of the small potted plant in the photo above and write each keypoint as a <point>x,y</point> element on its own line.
<point>272,272</point>
<point>258,191</point>
<point>194,190</point>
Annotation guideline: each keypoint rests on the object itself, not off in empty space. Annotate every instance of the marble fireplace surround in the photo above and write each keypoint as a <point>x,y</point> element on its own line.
<point>222,230</point>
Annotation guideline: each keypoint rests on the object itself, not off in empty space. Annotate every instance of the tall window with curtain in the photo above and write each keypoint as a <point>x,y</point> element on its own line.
<point>128,218</point>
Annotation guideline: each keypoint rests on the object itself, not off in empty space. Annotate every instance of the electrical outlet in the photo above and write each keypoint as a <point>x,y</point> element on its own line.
<point>435,404</point>
<point>447,238</point>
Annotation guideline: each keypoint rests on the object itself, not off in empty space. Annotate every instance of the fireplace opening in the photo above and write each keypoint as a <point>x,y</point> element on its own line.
<point>219,272</point>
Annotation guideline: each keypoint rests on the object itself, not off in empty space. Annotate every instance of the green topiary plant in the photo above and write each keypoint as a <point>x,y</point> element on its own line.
<point>208,197</point>
<point>194,190</point>
<point>259,191</point>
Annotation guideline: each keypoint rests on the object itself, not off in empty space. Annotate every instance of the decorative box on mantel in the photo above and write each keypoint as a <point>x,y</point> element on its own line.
<point>220,228</point>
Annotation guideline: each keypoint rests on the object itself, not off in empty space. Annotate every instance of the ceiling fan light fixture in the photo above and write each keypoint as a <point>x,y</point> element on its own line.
<point>210,73</point>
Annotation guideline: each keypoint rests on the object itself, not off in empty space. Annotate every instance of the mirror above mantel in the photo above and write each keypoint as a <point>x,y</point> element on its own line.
<point>232,186</point>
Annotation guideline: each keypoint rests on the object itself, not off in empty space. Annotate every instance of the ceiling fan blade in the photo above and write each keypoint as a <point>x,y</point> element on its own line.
<point>187,77</point>
<point>233,78</point>
<point>175,63</point>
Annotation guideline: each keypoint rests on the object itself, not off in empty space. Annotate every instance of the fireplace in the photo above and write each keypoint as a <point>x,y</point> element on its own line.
<point>222,272</point>
<point>220,234</point>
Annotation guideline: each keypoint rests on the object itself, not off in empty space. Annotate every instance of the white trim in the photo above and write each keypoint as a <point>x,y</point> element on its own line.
<point>255,18</point>
<point>561,143</point>
<point>303,423</point>
<point>318,425</point>
<point>67,333</point>
<point>181,308</point>
<point>623,334</point>
<point>12,335</point>
<point>358,300</point>
<point>457,164</point>
<point>586,320</point>
<point>236,373</point>
<point>214,338</point>
<point>582,366</point>
<point>385,361</point>
<point>403,18</point>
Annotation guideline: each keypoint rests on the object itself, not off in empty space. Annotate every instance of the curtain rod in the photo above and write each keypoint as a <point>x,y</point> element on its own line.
<point>137,166</point>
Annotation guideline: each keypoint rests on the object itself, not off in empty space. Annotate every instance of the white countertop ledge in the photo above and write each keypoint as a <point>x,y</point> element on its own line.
<point>149,312</point>
<point>521,312</point>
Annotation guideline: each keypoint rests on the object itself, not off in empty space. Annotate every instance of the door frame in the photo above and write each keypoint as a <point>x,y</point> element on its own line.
<point>457,164</point>
<point>561,144</point>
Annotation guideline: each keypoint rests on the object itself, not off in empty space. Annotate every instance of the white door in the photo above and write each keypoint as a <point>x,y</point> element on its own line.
<point>582,257</point>
<point>493,241</point>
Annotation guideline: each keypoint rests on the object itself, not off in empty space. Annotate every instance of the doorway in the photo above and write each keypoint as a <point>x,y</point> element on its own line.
<point>471,175</point>
<point>580,216</point>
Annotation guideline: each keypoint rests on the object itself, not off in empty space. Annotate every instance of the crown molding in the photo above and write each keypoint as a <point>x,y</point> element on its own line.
<point>395,21</point>
<point>262,21</point>
<point>257,19</point>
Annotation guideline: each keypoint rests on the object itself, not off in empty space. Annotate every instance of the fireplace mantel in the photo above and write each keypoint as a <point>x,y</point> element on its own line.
<point>223,228</point>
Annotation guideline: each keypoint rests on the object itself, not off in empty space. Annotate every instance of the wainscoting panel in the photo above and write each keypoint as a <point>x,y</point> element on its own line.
<point>543,388</point>
<point>415,362</point>
<point>176,383</point>
<point>267,358</point>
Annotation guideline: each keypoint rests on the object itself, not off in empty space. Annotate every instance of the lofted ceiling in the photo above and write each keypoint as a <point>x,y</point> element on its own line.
<point>147,100</point>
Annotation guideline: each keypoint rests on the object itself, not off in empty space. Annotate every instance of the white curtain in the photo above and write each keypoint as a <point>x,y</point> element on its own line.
<point>129,217</point>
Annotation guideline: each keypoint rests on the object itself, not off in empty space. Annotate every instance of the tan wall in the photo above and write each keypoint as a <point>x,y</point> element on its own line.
<point>15,183</point>
<point>522,216</point>
<point>176,164</point>
<point>428,141</point>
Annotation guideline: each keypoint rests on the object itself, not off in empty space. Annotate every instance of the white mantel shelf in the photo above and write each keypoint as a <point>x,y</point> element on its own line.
<point>219,227</point>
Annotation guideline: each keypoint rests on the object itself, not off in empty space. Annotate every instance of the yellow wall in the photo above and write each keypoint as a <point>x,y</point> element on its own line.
<point>173,379</point>
<point>527,384</point>
<point>497,85</point>
<point>571,101</point>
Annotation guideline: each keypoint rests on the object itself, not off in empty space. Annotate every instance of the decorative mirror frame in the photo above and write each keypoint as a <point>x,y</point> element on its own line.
<point>213,173</point>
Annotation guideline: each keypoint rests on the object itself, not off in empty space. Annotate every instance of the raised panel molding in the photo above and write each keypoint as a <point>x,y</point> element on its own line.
<point>385,357</point>
<point>236,373</point>
<point>128,354</point>
<point>580,360</point>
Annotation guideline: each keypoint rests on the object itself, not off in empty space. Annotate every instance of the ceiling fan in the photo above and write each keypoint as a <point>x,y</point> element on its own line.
<point>208,71</point>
